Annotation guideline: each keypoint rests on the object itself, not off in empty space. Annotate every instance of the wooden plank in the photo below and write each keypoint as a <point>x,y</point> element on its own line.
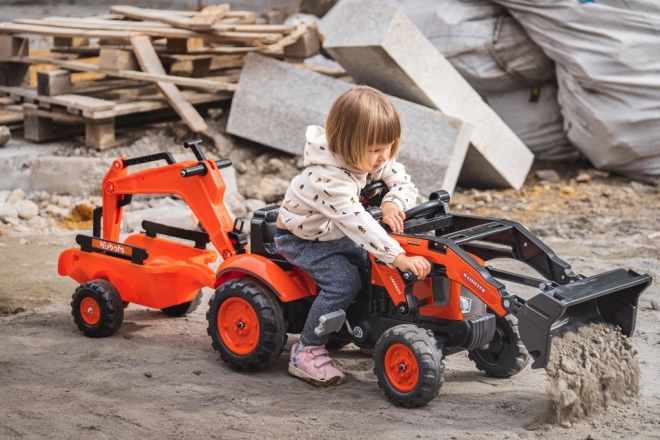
<point>292,37</point>
<point>196,83</point>
<point>226,62</point>
<point>40,27</point>
<point>199,21</point>
<point>73,103</point>
<point>148,59</point>
<point>208,16</point>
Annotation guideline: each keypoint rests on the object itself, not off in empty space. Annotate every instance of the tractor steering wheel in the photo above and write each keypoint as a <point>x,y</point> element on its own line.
<point>424,209</point>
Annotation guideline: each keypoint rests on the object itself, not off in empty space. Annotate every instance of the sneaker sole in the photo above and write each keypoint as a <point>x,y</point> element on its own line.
<point>337,380</point>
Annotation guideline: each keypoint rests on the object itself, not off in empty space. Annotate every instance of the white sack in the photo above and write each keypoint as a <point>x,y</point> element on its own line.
<point>538,124</point>
<point>608,69</point>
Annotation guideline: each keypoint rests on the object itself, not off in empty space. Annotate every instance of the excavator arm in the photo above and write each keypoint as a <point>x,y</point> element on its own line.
<point>199,183</point>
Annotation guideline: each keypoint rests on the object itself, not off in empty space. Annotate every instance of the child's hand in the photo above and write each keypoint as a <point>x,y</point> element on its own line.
<point>419,266</point>
<point>393,216</point>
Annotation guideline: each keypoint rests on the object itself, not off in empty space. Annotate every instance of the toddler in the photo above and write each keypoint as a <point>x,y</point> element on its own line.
<point>322,227</point>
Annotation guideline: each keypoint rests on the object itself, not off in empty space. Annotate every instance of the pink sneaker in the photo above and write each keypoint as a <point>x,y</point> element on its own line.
<point>315,366</point>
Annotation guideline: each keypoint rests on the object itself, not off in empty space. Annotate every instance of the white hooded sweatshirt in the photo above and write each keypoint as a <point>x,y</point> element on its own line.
<point>323,202</point>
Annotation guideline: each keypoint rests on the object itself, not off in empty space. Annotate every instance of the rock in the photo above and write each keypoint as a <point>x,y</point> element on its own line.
<point>7,210</point>
<point>3,196</point>
<point>240,167</point>
<point>16,195</point>
<point>655,305</point>
<point>177,216</point>
<point>270,189</point>
<point>64,201</point>
<point>53,210</point>
<point>483,197</point>
<point>566,424</point>
<point>253,204</point>
<point>583,177</point>
<point>5,134</point>
<point>38,222</point>
<point>547,175</point>
<point>601,252</point>
<point>567,191</point>
<point>26,209</point>
<point>14,221</point>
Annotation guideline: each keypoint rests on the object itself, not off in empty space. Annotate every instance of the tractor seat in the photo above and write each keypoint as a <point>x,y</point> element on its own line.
<point>262,235</point>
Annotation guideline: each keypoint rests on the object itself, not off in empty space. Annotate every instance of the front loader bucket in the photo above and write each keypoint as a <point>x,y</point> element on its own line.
<point>609,297</point>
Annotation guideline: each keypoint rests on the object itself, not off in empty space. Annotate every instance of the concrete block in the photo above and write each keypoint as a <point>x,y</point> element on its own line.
<point>276,101</point>
<point>379,46</point>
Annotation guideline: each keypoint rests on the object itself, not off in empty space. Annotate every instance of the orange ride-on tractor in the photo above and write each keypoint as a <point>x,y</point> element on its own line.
<point>414,324</point>
<point>146,268</point>
<point>259,296</point>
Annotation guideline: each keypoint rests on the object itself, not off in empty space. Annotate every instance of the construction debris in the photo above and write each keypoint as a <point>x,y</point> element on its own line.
<point>265,110</point>
<point>145,62</point>
<point>379,46</point>
<point>5,134</point>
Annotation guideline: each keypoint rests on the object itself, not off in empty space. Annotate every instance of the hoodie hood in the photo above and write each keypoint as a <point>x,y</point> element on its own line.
<point>318,153</point>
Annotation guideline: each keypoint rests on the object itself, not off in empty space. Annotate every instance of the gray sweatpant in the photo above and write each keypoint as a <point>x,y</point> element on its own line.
<point>338,267</point>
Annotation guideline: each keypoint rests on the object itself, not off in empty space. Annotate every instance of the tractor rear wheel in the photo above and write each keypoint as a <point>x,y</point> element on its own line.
<point>97,309</point>
<point>408,365</point>
<point>246,324</point>
<point>184,308</point>
<point>506,355</point>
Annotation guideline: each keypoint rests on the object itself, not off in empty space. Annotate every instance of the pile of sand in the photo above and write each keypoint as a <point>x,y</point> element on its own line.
<point>588,371</point>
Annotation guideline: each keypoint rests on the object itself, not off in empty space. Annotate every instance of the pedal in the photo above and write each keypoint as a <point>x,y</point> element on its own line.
<point>330,323</point>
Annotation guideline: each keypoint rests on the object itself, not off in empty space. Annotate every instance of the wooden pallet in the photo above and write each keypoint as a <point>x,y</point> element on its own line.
<point>146,61</point>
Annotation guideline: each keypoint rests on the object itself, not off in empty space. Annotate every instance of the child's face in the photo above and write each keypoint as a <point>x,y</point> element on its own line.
<point>377,155</point>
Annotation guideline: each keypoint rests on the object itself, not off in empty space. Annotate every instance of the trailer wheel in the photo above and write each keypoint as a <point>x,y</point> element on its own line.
<point>408,365</point>
<point>246,324</point>
<point>184,308</point>
<point>97,309</point>
<point>506,355</point>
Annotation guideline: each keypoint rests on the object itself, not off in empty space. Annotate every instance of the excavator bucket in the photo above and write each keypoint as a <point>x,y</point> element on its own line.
<point>609,297</point>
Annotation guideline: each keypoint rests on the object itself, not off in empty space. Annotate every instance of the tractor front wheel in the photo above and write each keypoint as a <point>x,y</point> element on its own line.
<point>246,324</point>
<point>408,365</point>
<point>185,308</point>
<point>97,309</point>
<point>505,355</point>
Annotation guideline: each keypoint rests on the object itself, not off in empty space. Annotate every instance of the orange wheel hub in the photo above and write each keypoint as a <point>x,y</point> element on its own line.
<point>238,326</point>
<point>401,368</point>
<point>90,312</point>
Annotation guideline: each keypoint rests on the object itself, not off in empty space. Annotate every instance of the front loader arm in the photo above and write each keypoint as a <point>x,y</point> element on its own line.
<point>202,192</point>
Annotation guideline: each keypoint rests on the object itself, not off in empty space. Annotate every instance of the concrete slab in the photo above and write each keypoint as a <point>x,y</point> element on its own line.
<point>379,46</point>
<point>36,168</point>
<point>276,101</point>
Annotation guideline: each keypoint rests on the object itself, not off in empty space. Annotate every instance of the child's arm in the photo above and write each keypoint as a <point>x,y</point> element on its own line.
<point>403,193</point>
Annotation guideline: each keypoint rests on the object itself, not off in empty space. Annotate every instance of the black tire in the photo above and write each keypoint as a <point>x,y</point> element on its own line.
<point>425,373</point>
<point>506,355</point>
<point>184,308</point>
<point>97,309</point>
<point>237,346</point>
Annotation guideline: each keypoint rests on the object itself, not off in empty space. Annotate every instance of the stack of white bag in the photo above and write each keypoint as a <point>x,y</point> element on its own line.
<point>607,56</point>
<point>499,60</point>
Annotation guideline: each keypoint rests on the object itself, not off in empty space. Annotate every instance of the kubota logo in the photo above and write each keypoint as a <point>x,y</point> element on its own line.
<point>472,281</point>
<point>112,247</point>
<point>396,286</point>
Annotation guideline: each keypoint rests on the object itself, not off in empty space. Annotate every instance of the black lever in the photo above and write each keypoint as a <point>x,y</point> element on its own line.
<point>195,170</point>
<point>196,147</point>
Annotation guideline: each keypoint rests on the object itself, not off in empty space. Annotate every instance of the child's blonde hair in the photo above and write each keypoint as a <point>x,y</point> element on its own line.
<point>360,118</point>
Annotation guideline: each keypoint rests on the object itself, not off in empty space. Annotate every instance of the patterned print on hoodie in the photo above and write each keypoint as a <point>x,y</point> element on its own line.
<point>322,202</point>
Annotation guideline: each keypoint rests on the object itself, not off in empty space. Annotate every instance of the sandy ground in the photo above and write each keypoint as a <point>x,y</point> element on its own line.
<point>160,378</point>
